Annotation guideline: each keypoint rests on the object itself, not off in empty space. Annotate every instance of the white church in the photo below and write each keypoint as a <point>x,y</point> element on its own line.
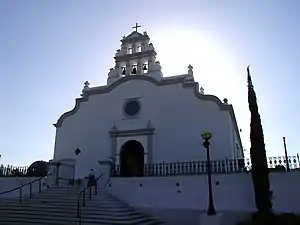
<point>142,118</point>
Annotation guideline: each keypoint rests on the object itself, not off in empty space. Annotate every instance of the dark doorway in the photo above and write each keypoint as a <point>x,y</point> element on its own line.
<point>132,159</point>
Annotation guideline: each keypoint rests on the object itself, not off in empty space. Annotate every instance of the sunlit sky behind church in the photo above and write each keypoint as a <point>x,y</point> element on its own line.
<point>48,49</point>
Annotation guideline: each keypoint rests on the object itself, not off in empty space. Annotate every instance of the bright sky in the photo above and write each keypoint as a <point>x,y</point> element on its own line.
<point>48,49</point>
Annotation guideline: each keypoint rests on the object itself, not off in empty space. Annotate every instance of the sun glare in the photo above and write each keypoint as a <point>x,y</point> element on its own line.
<point>215,68</point>
<point>178,48</point>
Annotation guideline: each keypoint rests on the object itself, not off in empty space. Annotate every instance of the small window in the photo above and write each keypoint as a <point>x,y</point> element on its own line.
<point>139,49</point>
<point>129,51</point>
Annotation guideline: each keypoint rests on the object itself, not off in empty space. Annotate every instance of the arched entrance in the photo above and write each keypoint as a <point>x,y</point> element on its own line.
<point>132,159</point>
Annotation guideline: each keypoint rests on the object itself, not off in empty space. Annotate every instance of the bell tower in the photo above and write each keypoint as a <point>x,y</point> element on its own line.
<point>136,57</point>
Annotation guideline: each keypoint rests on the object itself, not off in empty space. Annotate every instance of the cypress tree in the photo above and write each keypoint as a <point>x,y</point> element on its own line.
<point>260,171</point>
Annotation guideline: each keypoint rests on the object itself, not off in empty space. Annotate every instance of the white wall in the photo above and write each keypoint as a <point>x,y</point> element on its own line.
<point>286,189</point>
<point>162,192</point>
<point>8,183</point>
<point>165,106</point>
<point>234,192</point>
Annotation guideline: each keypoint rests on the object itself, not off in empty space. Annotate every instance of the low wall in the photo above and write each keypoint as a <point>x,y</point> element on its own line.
<point>192,192</point>
<point>233,193</point>
<point>7,183</point>
<point>286,191</point>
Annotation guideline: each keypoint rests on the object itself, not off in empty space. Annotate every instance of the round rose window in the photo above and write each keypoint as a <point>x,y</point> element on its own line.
<point>132,108</point>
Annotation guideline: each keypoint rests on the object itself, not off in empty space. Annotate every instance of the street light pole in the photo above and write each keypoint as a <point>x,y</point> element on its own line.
<point>211,208</point>
<point>286,156</point>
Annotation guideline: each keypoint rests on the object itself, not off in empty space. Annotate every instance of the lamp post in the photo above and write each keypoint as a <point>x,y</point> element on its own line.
<point>286,156</point>
<point>211,208</point>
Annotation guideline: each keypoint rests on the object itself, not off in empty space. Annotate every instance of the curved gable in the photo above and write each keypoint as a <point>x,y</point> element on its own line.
<point>169,81</point>
<point>71,112</point>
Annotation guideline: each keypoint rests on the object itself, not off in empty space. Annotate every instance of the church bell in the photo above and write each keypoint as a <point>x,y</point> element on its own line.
<point>145,67</point>
<point>134,70</point>
<point>124,72</point>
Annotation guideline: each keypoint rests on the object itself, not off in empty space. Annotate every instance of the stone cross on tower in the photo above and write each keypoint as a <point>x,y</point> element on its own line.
<point>136,27</point>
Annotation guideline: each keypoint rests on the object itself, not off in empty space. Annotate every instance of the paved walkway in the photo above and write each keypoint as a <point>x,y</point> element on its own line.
<point>191,217</point>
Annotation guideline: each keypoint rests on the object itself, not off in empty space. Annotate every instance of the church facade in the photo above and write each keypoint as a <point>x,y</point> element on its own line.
<point>141,117</point>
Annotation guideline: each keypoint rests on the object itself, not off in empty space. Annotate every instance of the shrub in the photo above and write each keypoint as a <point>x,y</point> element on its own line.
<point>37,169</point>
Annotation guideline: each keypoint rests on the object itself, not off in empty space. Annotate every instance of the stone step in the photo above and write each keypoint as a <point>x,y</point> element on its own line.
<point>54,195</point>
<point>66,223</point>
<point>62,198</point>
<point>58,205</point>
<point>61,220</point>
<point>86,208</point>
<point>74,196</point>
<point>58,190</point>
<point>69,194</point>
<point>70,201</point>
<point>37,221</point>
<point>62,215</point>
<point>62,189</point>
<point>72,208</point>
<point>88,211</point>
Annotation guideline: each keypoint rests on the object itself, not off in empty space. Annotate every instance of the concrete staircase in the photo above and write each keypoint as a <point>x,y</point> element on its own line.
<point>59,206</point>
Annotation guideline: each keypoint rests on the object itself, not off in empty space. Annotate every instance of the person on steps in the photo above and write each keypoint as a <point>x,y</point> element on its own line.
<point>91,180</point>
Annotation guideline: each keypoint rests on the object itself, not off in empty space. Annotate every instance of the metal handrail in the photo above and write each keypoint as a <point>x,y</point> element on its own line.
<point>24,185</point>
<point>82,193</point>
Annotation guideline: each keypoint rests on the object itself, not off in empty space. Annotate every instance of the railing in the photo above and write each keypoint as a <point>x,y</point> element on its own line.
<point>82,194</point>
<point>20,188</point>
<point>200,167</point>
<point>13,171</point>
<point>279,163</point>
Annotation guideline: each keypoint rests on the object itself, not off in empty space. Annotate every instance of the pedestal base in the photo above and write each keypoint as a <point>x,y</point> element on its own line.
<point>210,220</point>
